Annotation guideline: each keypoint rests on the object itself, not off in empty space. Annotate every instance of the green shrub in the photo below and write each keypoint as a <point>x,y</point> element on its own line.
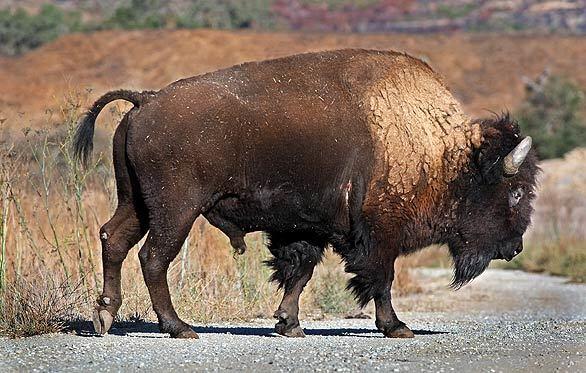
<point>331,295</point>
<point>553,115</point>
<point>138,14</point>
<point>227,14</point>
<point>455,11</point>
<point>20,31</point>
<point>339,4</point>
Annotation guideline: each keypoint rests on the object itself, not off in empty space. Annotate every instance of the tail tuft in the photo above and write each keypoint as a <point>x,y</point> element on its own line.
<point>83,141</point>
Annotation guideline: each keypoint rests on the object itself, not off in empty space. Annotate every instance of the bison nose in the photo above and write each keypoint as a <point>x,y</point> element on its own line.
<point>508,256</point>
<point>518,249</point>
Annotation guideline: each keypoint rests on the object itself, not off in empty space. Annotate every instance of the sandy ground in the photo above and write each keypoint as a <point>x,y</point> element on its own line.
<point>504,321</point>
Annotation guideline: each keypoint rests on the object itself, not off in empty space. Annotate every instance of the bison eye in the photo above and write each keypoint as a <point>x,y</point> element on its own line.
<point>515,196</point>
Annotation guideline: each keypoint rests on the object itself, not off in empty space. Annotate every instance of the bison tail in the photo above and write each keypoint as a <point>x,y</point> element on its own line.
<point>83,141</point>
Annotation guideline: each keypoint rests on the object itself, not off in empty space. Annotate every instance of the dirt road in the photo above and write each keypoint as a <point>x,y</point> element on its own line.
<point>504,321</point>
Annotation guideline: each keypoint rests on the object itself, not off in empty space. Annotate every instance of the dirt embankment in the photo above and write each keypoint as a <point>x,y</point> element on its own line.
<point>484,70</point>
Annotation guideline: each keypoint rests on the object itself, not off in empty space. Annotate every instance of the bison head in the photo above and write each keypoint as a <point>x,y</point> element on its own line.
<point>494,201</point>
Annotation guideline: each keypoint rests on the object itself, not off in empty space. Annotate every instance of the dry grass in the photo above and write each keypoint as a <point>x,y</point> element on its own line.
<point>39,307</point>
<point>237,290</point>
<point>564,257</point>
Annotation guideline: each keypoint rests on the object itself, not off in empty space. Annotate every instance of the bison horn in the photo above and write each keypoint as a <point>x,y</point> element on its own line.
<point>515,158</point>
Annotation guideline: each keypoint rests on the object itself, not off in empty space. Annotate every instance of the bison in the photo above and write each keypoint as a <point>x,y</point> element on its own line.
<point>363,150</point>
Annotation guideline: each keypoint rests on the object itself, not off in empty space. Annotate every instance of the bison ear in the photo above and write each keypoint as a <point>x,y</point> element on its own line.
<point>491,160</point>
<point>488,166</point>
<point>486,157</point>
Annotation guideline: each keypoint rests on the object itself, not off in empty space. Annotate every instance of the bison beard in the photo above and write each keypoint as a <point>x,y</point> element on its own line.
<point>468,266</point>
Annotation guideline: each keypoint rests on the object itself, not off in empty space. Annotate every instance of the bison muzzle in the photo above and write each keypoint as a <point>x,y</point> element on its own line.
<point>366,151</point>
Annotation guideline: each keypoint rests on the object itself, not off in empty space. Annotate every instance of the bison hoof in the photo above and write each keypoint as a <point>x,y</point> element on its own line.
<point>288,326</point>
<point>186,334</point>
<point>239,250</point>
<point>294,332</point>
<point>102,320</point>
<point>401,331</point>
<point>238,245</point>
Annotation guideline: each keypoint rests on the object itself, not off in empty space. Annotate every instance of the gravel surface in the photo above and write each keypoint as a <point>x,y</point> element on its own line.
<point>504,321</point>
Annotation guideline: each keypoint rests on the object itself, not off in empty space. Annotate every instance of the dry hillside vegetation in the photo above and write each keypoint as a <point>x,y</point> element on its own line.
<point>484,70</point>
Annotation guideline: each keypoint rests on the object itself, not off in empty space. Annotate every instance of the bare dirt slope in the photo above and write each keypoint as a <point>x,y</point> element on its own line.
<point>506,321</point>
<point>484,70</point>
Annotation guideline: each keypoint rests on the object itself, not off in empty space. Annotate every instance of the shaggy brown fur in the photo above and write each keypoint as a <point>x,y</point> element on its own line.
<point>364,150</point>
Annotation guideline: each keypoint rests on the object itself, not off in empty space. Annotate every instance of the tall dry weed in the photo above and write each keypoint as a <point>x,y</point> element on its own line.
<point>38,306</point>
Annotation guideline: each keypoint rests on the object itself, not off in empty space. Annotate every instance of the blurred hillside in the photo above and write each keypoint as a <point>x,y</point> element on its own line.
<point>567,16</point>
<point>485,71</point>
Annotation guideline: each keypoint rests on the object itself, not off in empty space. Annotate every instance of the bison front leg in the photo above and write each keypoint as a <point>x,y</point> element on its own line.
<point>293,263</point>
<point>374,277</point>
<point>386,319</point>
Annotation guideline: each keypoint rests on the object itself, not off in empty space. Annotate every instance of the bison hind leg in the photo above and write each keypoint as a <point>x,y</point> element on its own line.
<point>169,228</point>
<point>126,227</point>
<point>118,235</point>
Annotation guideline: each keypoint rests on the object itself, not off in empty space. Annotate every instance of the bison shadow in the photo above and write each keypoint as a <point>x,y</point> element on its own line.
<point>145,329</point>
